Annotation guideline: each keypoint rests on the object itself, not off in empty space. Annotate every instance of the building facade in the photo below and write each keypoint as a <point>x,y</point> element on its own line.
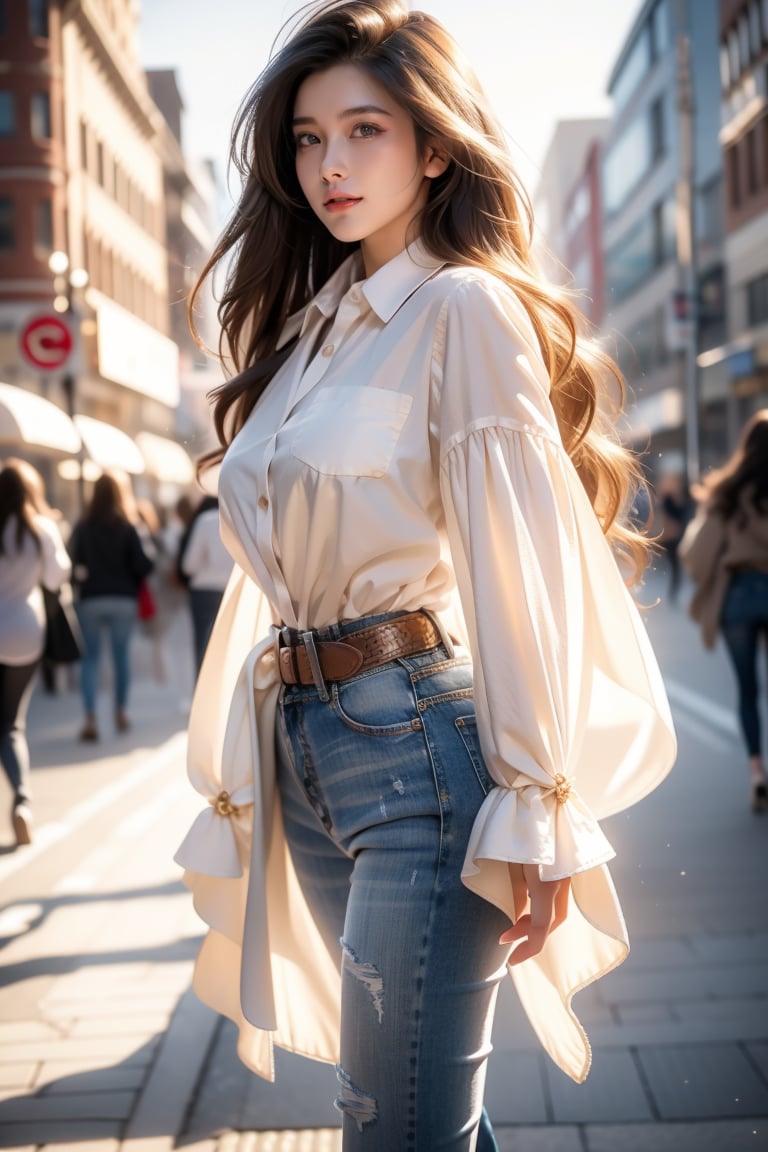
<point>662,228</point>
<point>83,225</point>
<point>736,372</point>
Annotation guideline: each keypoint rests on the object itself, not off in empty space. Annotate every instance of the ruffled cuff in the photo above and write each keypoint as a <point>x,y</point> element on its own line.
<point>551,827</point>
<point>214,843</point>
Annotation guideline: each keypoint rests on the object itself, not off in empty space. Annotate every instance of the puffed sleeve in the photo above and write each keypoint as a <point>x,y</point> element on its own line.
<point>572,716</point>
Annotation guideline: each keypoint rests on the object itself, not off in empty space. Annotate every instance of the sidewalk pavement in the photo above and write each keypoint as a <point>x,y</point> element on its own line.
<point>108,1049</point>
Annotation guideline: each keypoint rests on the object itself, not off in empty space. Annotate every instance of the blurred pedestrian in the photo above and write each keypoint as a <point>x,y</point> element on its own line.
<point>428,681</point>
<point>205,567</point>
<point>164,596</point>
<point>109,565</point>
<point>32,554</point>
<point>674,511</point>
<point>725,552</point>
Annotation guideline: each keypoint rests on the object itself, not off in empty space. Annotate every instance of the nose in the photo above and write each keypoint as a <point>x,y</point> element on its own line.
<point>333,165</point>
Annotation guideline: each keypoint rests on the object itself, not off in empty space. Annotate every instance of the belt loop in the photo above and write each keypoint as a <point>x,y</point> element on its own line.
<point>308,640</point>
<point>446,639</point>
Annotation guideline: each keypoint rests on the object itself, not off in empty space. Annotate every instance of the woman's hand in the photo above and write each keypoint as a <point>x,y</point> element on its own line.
<point>549,908</point>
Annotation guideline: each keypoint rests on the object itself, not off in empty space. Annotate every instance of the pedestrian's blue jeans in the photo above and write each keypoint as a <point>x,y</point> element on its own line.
<point>743,621</point>
<point>17,682</point>
<point>380,787</point>
<point>117,616</point>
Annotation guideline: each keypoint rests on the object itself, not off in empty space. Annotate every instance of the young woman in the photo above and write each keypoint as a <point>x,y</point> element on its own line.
<point>109,565</point>
<point>31,554</point>
<point>725,551</point>
<point>427,679</point>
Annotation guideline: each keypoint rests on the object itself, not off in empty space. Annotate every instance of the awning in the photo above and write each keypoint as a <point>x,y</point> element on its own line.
<point>108,447</point>
<point>165,459</point>
<point>30,421</point>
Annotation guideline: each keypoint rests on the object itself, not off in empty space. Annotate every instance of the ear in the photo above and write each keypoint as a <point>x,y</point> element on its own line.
<point>436,162</point>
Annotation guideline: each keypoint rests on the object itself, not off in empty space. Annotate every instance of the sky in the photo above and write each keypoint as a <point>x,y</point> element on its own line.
<point>540,61</point>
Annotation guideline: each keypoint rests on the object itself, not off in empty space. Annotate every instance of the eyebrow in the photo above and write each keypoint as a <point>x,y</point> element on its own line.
<point>359,111</point>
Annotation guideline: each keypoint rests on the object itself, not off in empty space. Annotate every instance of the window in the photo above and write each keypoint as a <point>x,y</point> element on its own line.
<point>635,67</point>
<point>734,181</point>
<point>659,31</point>
<point>725,71</point>
<point>755,32</point>
<point>7,224</point>
<point>658,144</point>
<point>38,17</point>
<point>626,163</point>
<point>757,301</point>
<point>643,248</point>
<point>41,115</point>
<point>7,115</point>
<point>752,175</point>
<point>743,43</point>
<point>733,54</point>
<point>44,226</point>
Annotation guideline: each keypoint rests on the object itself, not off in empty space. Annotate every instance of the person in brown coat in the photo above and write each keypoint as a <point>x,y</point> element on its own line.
<point>725,552</point>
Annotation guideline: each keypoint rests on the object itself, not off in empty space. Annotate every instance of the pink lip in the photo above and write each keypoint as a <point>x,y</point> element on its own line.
<point>341,204</point>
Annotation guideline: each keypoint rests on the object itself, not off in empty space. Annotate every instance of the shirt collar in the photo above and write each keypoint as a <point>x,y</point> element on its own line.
<point>386,291</point>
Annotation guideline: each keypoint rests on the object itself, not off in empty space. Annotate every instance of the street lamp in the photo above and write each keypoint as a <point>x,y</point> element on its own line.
<point>67,280</point>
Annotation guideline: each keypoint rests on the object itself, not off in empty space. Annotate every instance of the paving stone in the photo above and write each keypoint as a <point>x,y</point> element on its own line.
<point>148,1025</point>
<point>696,1030</point>
<point>116,1047</point>
<point>120,1079</point>
<point>91,1146</point>
<point>86,1009</point>
<point>18,1075</point>
<point>701,1081</point>
<point>726,1009</point>
<point>709,1136</point>
<point>731,948</point>
<point>515,1090</point>
<point>663,952</point>
<point>643,1013</point>
<point>77,1134</point>
<point>72,1106</point>
<point>759,1053</point>
<point>165,1097</point>
<point>11,1031</point>
<point>561,1138</point>
<point>612,1093</point>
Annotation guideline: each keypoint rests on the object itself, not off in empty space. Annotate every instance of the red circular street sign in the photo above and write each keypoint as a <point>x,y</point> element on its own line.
<point>46,342</point>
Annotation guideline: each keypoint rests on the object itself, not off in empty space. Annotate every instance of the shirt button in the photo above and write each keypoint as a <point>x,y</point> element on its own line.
<point>328,350</point>
<point>263,502</point>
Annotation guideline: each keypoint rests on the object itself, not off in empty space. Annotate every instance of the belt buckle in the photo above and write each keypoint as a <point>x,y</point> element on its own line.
<point>308,640</point>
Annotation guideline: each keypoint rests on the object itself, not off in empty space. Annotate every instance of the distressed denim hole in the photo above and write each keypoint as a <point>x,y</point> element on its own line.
<point>368,975</point>
<point>359,1105</point>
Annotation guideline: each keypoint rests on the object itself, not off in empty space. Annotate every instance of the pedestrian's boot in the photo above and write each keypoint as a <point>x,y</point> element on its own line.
<point>22,822</point>
<point>89,732</point>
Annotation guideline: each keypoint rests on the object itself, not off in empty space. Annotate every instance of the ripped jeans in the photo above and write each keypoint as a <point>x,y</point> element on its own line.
<point>379,788</point>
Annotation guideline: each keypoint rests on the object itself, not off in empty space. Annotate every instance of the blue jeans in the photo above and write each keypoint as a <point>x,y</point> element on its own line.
<point>743,621</point>
<point>380,787</point>
<point>116,615</point>
<point>16,684</point>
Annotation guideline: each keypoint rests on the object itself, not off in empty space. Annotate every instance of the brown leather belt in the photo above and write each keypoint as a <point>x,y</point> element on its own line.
<point>309,661</point>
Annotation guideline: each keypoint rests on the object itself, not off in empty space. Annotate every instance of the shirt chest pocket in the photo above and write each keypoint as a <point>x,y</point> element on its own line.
<point>349,431</point>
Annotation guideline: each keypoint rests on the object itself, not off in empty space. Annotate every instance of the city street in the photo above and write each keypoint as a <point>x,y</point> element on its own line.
<point>103,1046</point>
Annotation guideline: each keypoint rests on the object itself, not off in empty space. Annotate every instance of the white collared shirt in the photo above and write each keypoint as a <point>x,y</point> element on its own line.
<point>407,456</point>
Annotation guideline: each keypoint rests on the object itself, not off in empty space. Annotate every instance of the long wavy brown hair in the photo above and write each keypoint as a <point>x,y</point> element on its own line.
<point>278,253</point>
<point>745,473</point>
<point>18,503</point>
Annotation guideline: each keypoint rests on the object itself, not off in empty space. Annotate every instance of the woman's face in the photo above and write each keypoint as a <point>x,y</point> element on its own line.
<point>357,161</point>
